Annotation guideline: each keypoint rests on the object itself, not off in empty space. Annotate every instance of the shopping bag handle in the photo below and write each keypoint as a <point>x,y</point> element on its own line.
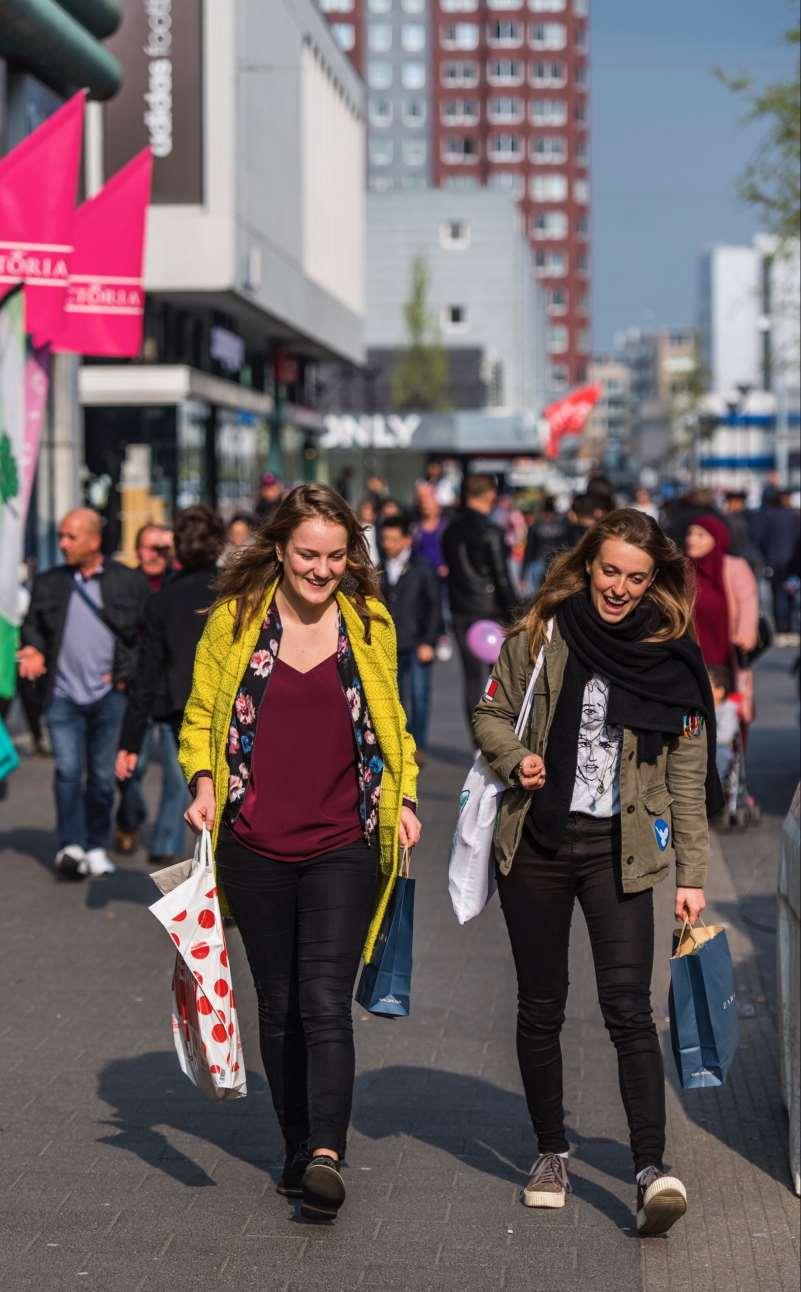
<point>203,853</point>
<point>405,867</point>
<point>688,925</point>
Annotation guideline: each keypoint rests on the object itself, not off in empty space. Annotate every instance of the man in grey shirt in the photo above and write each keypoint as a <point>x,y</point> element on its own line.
<point>81,633</point>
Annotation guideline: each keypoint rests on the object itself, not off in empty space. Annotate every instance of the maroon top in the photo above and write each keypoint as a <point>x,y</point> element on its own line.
<point>303,796</point>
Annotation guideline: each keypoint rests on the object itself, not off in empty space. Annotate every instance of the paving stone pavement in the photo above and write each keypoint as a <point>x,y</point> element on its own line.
<point>118,1177</point>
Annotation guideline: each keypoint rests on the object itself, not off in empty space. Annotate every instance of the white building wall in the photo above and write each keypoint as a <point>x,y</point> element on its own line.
<point>733,311</point>
<point>281,229</point>
<point>192,247</point>
<point>333,185</point>
<point>785,315</point>
<point>491,277</point>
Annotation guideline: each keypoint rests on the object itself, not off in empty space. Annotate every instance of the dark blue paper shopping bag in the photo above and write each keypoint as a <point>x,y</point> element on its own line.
<point>703,1006</point>
<point>386,983</point>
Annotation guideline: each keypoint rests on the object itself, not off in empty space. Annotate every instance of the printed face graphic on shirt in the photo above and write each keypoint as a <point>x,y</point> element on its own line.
<point>598,743</point>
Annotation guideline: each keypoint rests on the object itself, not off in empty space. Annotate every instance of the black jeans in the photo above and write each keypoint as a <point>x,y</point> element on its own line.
<point>474,671</point>
<point>303,925</point>
<point>537,898</point>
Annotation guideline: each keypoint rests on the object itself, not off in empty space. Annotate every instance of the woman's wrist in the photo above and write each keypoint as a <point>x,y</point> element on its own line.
<point>196,786</point>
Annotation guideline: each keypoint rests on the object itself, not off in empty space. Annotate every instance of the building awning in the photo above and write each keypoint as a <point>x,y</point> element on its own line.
<point>143,385</point>
<point>455,434</point>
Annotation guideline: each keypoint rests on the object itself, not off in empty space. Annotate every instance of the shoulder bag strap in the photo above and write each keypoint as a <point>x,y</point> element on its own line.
<point>95,608</point>
<point>528,698</point>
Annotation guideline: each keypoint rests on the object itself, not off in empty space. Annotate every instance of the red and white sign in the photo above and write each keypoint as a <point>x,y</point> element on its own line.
<point>38,189</point>
<point>105,305</point>
<point>570,415</point>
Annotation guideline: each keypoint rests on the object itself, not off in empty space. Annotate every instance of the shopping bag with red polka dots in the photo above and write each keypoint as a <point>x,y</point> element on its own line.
<point>205,1028</point>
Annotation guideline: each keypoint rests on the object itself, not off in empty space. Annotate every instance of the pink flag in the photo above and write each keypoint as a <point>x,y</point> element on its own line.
<point>569,416</point>
<point>38,188</point>
<point>37,382</point>
<point>106,301</point>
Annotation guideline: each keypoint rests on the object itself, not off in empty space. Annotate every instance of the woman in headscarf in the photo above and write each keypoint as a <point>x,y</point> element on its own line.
<point>726,613</point>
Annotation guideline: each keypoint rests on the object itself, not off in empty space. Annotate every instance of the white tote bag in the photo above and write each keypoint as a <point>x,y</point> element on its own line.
<point>205,1027</point>
<point>471,871</point>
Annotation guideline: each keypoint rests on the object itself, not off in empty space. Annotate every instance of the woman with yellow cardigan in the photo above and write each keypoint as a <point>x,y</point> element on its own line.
<point>295,747</point>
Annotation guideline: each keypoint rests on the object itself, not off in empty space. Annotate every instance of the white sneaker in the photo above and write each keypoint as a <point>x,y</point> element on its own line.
<point>70,862</point>
<point>98,863</point>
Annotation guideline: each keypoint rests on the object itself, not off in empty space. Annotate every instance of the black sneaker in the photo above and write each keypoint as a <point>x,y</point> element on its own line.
<point>661,1201</point>
<point>548,1185</point>
<point>323,1190</point>
<point>291,1183</point>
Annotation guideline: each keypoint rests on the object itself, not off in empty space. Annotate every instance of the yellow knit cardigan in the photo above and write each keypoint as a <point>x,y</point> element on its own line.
<point>220,663</point>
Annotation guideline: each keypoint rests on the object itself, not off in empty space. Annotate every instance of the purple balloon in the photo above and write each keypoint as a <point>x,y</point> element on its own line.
<point>485,639</point>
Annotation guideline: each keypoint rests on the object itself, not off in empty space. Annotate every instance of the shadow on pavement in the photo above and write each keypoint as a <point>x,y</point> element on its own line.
<point>127,885</point>
<point>150,1098</point>
<point>477,1122</point>
<point>480,1124</point>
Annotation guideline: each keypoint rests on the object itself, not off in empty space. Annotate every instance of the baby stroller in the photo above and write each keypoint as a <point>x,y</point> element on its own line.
<point>741,808</point>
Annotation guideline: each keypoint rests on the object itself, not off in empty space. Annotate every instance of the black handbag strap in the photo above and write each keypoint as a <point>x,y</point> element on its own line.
<point>94,607</point>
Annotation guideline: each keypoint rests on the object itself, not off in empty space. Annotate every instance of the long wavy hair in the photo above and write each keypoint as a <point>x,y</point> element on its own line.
<point>251,570</point>
<point>672,590</point>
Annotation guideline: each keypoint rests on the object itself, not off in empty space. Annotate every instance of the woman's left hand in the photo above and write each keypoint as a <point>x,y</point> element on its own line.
<point>690,902</point>
<point>410,828</point>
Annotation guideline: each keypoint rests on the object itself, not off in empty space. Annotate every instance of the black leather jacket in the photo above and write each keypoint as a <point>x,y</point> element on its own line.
<point>478,568</point>
<point>124,593</point>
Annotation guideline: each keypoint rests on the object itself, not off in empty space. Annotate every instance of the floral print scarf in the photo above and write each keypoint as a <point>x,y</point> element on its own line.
<point>245,716</point>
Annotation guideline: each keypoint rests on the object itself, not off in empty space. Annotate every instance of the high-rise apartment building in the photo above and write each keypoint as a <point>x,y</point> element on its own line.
<point>488,93</point>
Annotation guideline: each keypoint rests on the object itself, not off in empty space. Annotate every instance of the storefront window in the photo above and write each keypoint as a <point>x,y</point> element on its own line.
<point>242,448</point>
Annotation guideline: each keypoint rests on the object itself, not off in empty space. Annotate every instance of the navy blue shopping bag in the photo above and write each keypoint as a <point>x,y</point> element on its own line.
<point>385,986</point>
<point>703,1006</point>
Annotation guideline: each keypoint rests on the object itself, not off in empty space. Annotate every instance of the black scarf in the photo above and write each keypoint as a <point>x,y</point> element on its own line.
<point>655,688</point>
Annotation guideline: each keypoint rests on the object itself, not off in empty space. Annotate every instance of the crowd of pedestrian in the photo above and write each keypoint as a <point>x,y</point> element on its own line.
<point>280,668</point>
<point>107,650</point>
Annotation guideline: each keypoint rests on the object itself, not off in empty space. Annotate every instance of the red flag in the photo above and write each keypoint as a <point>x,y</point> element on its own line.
<point>38,189</point>
<point>569,416</point>
<point>106,300</point>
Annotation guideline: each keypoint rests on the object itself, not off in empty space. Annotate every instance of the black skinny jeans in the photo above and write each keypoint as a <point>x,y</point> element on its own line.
<point>537,897</point>
<point>303,925</point>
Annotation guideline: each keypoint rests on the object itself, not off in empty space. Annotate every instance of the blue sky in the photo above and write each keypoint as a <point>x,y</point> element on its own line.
<point>668,147</point>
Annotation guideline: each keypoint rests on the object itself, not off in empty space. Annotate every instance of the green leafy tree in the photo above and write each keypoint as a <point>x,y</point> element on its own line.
<point>772,182</point>
<point>421,375</point>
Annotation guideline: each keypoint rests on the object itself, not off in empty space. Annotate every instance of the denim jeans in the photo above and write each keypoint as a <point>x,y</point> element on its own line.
<point>84,739</point>
<point>303,924</point>
<point>169,829</point>
<point>537,897</point>
<point>414,685</point>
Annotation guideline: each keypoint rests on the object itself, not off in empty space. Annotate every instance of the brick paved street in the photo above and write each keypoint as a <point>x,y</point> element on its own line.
<point>117,1176</point>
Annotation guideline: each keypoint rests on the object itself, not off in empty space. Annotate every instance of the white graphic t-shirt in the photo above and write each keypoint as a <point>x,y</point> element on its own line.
<point>597,788</point>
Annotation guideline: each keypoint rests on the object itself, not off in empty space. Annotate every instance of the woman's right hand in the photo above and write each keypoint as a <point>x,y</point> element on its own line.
<point>202,810</point>
<point>531,772</point>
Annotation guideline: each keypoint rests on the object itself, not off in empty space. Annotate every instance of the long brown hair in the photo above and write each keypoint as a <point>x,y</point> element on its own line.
<point>671,590</point>
<point>253,568</point>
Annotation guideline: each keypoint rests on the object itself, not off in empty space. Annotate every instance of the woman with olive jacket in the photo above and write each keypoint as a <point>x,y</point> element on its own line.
<point>295,745</point>
<point>610,786</point>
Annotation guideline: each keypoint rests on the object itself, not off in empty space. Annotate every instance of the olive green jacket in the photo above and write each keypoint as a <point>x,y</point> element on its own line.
<point>662,805</point>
